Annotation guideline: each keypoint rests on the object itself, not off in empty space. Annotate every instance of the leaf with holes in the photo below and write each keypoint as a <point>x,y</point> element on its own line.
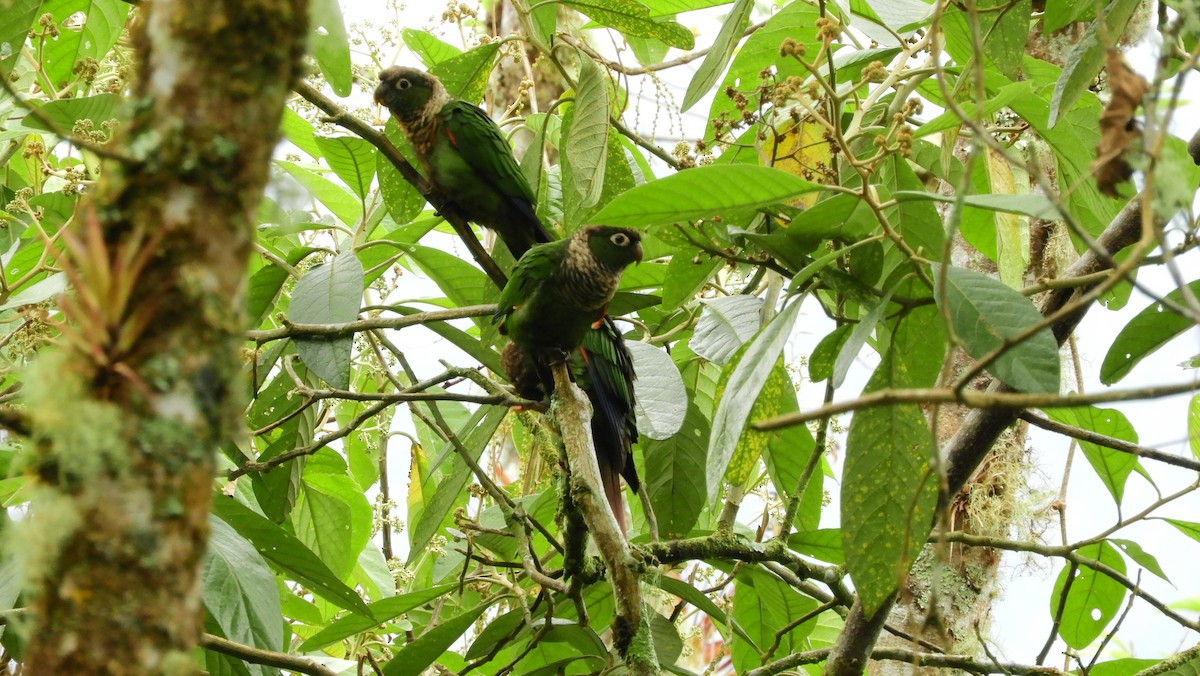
<point>1093,599</point>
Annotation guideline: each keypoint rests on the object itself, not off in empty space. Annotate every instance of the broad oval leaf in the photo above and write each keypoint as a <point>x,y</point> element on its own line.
<point>725,325</point>
<point>329,294</point>
<point>661,398</point>
<point>742,391</point>
<point>466,76</point>
<point>64,113</point>
<point>1145,333</point>
<point>329,44</point>
<point>1112,466</point>
<point>703,193</point>
<point>633,18</point>
<point>430,49</point>
<point>587,139</point>
<point>1093,599</point>
<point>985,312</point>
<point>240,591</point>
<point>380,611</point>
<point>352,159</point>
<point>719,54</point>
<point>413,658</point>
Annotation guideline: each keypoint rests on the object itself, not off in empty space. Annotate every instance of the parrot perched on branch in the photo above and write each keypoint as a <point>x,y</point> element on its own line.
<point>553,305</point>
<point>469,161</point>
<point>465,156</point>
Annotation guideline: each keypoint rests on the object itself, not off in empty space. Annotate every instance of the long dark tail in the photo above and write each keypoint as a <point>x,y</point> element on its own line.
<point>609,387</point>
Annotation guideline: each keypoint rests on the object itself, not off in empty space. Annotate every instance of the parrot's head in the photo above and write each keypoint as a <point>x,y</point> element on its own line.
<point>408,92</point>
<point>614,247</point>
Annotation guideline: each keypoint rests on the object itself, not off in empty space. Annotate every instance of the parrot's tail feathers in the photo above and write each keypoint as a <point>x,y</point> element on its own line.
<point>612,490</point>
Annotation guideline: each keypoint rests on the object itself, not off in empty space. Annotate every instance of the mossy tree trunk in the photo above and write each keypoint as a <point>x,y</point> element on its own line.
<point>127,417</point>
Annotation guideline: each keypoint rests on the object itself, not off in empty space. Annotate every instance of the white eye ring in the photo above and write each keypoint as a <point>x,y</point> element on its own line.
<point>620,239</point>
<point>403,84</point>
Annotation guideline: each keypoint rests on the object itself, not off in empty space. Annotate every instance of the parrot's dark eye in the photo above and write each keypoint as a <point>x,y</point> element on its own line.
<point>403,84</point>
<point>620,239</point>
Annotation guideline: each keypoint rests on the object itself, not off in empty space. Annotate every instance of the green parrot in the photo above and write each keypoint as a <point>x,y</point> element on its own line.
<point>465,156</point>
<point>469,161</point>
<point>554,304</point>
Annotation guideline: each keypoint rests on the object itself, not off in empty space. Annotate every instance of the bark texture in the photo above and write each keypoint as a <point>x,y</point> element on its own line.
<point>128,415</point>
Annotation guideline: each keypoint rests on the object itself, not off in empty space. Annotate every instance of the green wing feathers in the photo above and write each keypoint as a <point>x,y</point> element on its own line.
<point>484,147</point>
<point>535,267</point>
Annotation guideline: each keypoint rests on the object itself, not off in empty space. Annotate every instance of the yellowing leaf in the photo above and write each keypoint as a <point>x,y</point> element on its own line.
<point>803,151</point>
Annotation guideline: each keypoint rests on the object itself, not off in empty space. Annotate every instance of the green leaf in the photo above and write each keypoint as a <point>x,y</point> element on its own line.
<point>1193,425</point>
<point>1093,600</point>
<point>240,591</point>
<point>288,554</point>
<point>346,206</point>
<point>674,474</point>
<point>1188,528</point>
<point>352,159</point>
<point>428,48</point>
<point>743,389</point>
<point>797,20</point>
<point>403,201</point>
<point>413,658</point>
<point>1005,36</point>
<point>764,605</point>
<point>466,76</point>
<point>725,325</point>
<point>1031,204</point>
<point>64,113</point>
<point>661,398</point>
<point>1127,666</point>
<point>661,8</point>
<point>702,603</point>
<point>328,294</point>
<point>1140,556</point>
<point>858,337</point>
<point>474,435</point>
<point>334,518</point>
<point>824,544</point>
<point>1087,57</point>
<point>1059,13</point>
<point>1112,466</point>
<point>703,193</point>
<point>633,18</point>
<point>984,313</point>
<point>299,132</point>
<point>687,273</point>
<point>719,54</point>
<point>379,612</point>
<point>463,283</point>
<point>820,362</point>
<point>329,44</point>
<point>15,21</point>
<point>587,138</point>
<point>1143,335</point>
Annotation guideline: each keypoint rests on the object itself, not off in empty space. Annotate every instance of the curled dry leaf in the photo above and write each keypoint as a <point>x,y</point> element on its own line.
<point>1118,126</point>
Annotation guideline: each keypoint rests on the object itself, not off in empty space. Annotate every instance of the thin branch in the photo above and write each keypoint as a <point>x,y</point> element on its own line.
<point>304,665</point>
<point>294,330</point>
<point>916,659</point>
<point>990,400</point>
<point>315,446</point>
<point>1109,442</point>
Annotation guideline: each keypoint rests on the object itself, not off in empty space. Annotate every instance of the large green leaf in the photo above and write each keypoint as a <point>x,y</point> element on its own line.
<point>428,47</point>
<point>719,54</point>
<point>1112,466</point>
<point>731,192</point>
<point>379,612</point>
<point>15,20</point>
<point>1144,334</point>
<point>352,159</point>
<point>587,138</point>
<point>341,203</point>
<point>328,294</point>
<point>64,113</point>
<point>763,605</point>
<point>240,591</point>
<point>1087,57</point>
<point>725,325</point>
<point>1093,600</point>
<point>466,76</point>
<point>329,44</point>
<point>674,474</point>
<point>633,18</point>
<point>288,554</point>
<point>661,397</point>
<point>333,519</point>
<point>403,201</point>
<point>440,497</point>
<point>985,312</point>
<point>413,658</point>
<point>742,390</point>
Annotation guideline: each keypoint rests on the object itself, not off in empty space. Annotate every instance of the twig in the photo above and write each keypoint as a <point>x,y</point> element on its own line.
<point>294,330</point>
<point>1109,442</point>
<point>268,658</point>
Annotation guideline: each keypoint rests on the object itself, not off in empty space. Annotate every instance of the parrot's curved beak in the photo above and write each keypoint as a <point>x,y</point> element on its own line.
<point>638,253</point>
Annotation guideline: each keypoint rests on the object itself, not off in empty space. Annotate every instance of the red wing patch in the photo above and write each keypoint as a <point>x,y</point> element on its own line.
<point>450,135</point>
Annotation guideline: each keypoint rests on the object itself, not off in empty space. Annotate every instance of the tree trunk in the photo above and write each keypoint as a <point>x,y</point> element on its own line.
<point>127,416</point>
